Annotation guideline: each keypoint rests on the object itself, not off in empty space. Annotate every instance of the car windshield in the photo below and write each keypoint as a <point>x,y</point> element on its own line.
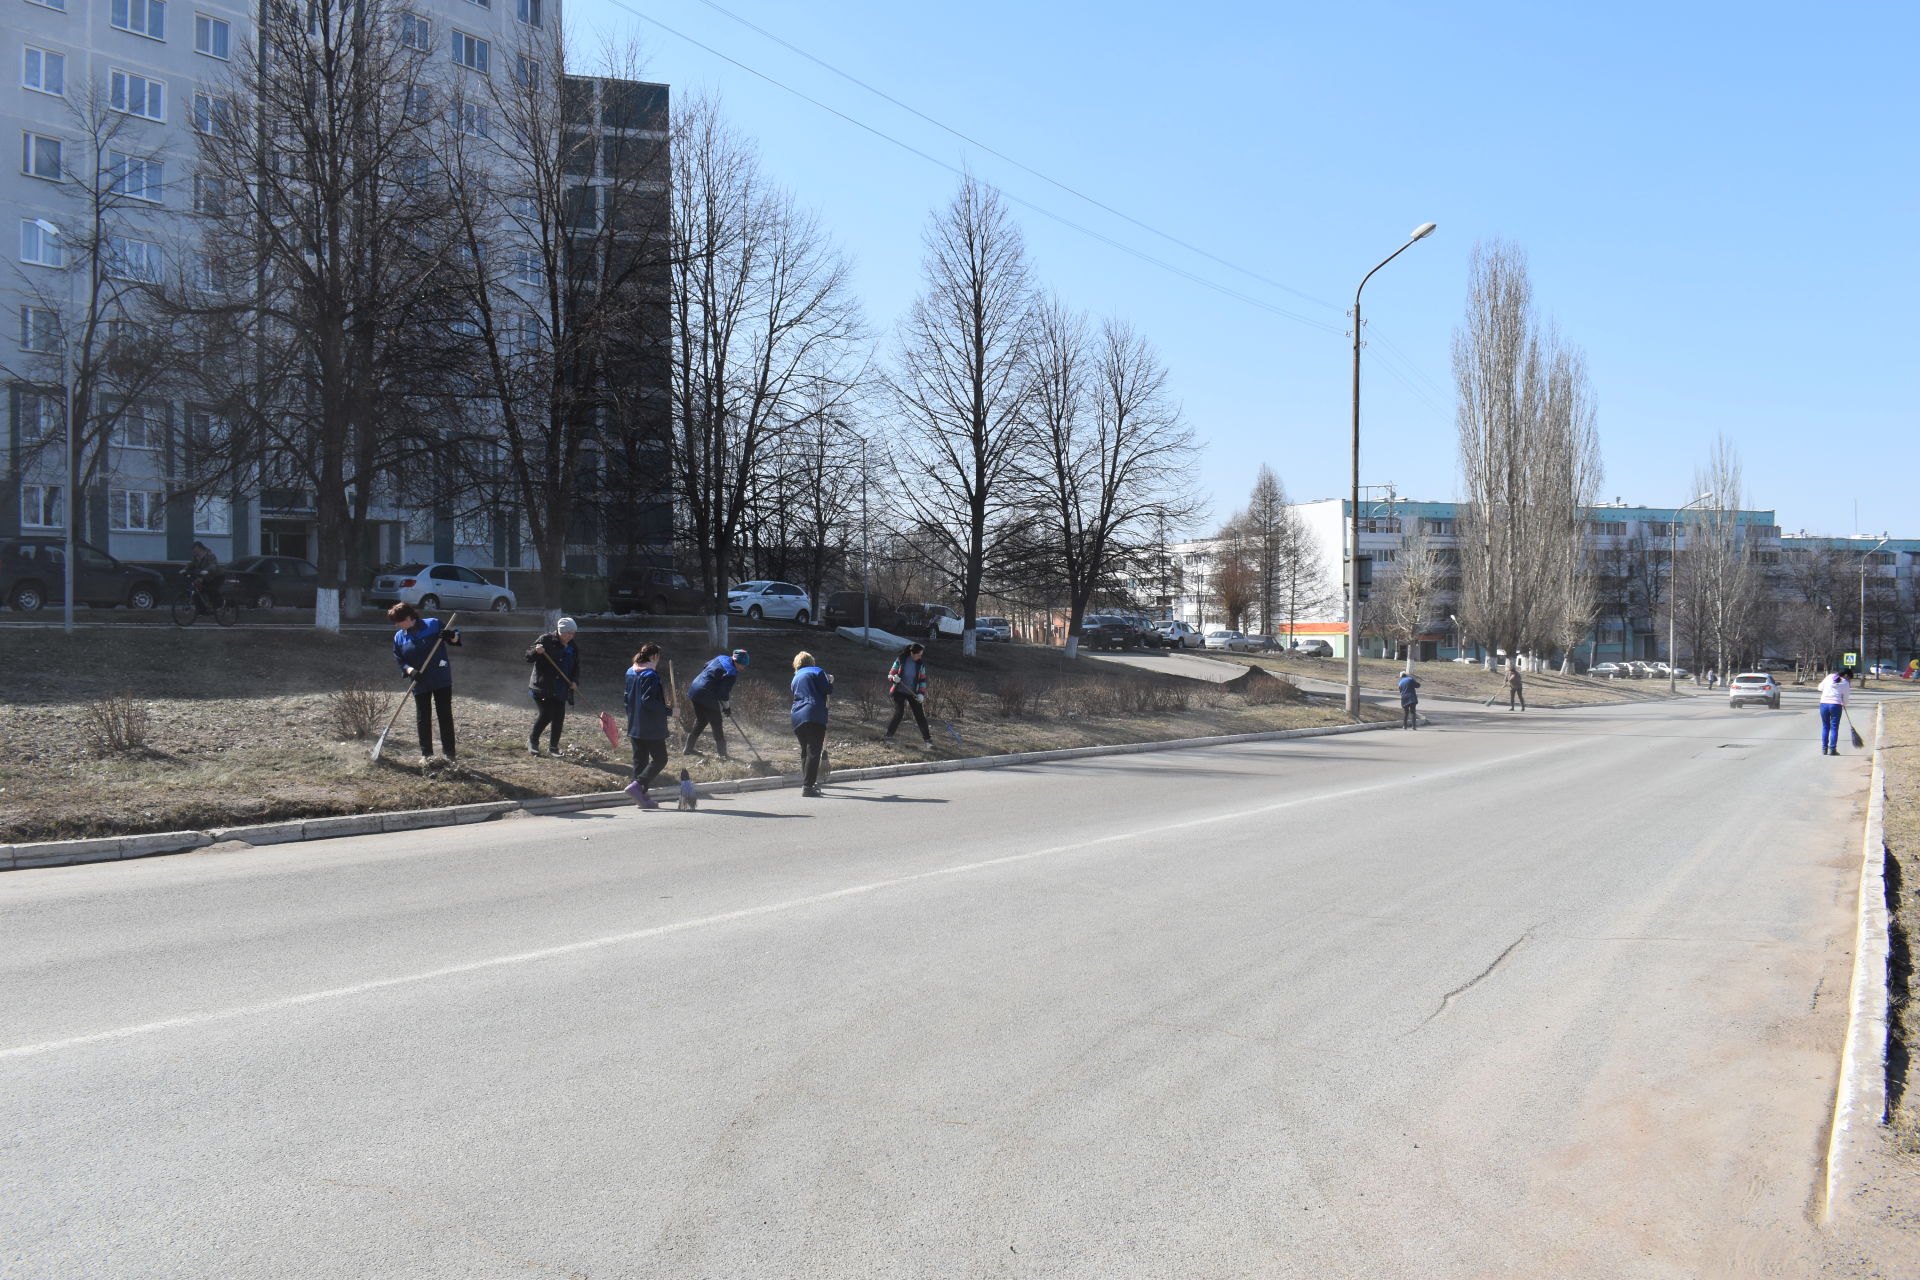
<point>250,563</point>
<point>750,587</point>
<point>993,622</point>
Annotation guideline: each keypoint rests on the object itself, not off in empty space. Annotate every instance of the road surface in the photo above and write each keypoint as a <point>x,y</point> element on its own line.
<point>1555,994</point>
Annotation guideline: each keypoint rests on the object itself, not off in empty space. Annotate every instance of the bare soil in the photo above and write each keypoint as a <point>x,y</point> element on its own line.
<point>242,725</point>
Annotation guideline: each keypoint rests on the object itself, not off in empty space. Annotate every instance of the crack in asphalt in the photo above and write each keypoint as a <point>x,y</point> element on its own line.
<point>1477,978</point>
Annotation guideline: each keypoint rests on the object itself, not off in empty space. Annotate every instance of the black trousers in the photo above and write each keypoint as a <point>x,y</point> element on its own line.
<point>553,716</point>
<point>705,717</point>
<point>1409,715</point>
<point>813,741</point>
<point>902,700</point>
<point>649,758</point>
<point>424,706</point>
<point>1520,694</point>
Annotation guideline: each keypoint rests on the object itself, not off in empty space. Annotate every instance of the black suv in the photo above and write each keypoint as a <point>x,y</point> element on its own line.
<point>652,591</point>
<point>1109,631</point>
<point>33,573</point>
<point>843,609</point>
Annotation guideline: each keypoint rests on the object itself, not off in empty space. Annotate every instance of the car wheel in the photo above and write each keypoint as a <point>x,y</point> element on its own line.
<point>27,597</point>
<point>622,610</point>
<point>754,614</point>
<point>801,617</point>
<point>502,605</point>
<point>142,597</point>
<point>659,605</point>
<point>264,600</point>
<point>429,602</point>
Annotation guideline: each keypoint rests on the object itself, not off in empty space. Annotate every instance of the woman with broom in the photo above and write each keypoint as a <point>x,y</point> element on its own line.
<point>647,713</point>
<point>424,660</point>
<point>1833,705</point>
<point>553,682</point>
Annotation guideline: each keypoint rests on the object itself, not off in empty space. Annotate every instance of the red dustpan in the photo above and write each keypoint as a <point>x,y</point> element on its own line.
<point>610,727</point>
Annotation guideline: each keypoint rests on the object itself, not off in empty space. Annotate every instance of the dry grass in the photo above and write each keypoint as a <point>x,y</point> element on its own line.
<point>115,725</point>
<point>254,726</point>
<point>1901,758</point>
<point>1462,680</point>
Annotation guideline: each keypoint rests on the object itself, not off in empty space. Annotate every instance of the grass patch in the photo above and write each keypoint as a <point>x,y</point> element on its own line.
<point>1901,758</point>
<point>271,725</point>
<point>1462,680</point>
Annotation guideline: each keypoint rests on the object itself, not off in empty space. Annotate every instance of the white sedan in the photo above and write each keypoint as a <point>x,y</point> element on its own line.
<point>762,599</point>
<point>1232,641</point>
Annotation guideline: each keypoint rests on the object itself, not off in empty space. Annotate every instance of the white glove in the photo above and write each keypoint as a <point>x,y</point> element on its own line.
<point>919,697</point>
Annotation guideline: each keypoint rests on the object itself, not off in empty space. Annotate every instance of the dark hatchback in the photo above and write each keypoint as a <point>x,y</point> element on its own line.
<point>652,591</point>
<point>33,573</point>
<point>843,609</point>
<point>1109,631</point>
<point>269,582</point>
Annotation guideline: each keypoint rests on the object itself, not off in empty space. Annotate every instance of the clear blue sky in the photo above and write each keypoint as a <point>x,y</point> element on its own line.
<point>1717,199</point>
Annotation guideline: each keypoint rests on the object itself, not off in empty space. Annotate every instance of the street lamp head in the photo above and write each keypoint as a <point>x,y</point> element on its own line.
<point>1703,497</point>
<point>47,228</point>
<point>1422,231</point>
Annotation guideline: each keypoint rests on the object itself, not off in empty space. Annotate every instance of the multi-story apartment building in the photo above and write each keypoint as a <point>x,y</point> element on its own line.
<point>104,100</point>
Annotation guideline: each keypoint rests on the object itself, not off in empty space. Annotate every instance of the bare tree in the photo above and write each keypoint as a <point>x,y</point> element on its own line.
<point>1716,585</point>
<point>1110,463</point>
<point>1267,521</point>
<point>1530,459</point>
<point>1303,583</point>
<point>1234,577</point>
<point>963,381</point>
<point>1407,602</point>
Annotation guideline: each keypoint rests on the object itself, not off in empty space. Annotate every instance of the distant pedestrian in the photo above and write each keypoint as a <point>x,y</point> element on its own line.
<point>1409,701</point>
<point>1516,690</point>
<point>907,685</point>
<point>425,661</point>
<point>1833,704</point>
<point>711,697</point>
<point>648,709</point>
<point>1713,678</point>
<point>811,689</point>
<point>552,683</point>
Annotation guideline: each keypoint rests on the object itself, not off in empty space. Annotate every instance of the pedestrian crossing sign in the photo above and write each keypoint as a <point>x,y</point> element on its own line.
<point>1849,659</point>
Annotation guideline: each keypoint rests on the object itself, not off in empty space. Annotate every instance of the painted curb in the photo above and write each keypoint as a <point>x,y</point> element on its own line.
<point>1860,1097</point>
<point>60,853</point>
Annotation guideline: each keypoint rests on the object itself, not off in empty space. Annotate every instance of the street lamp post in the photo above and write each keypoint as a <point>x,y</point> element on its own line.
<point>1420,232</point>
<point>67,496</point>
<point>1673,567</point>
<point>866,541</point>
<point>1865,666</point>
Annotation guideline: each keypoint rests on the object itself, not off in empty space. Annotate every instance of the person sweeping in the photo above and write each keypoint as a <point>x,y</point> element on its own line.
<point>648,710</point>
<point>1409,701</point>
<point>553,682</point>
<point>1833,704</point>
<point>907,685</point>
<point>711,695</point>
<point>424,660</point>
<point>811,689</point>
<point>1516,688</point>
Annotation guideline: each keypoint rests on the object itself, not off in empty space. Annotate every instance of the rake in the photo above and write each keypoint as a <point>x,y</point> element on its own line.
<point>380,743</point>
<point>761,768</point>
<point>608,725</point>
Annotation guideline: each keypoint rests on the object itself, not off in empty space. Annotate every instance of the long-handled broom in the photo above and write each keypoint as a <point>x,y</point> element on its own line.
<point>380,743</point>
<point>608,725</point>
<point>761,768</point>
<point>1858,741</point>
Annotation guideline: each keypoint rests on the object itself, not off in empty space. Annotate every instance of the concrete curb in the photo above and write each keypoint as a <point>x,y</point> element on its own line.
<point>63,853</point>
<point>1860,1098</point>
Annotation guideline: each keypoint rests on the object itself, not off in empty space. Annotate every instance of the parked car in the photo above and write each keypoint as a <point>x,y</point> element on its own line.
<point>33,574</point>
<point>439,586</point>
<point>765,599</point>
<point>1641,670</point>
<point>1610,671</point>
<point>1232,641</point>
<point>1883,669</point>
<point>929,620</point>
<point>1109,631</point>
<point>1773,664</point>
<point>1753,686</point>
<point>843,609</point>
<point>652,590</point>
<point>1264,644</point>
<point>1312,648</point>
<point>1171,633</point>
<point>270,582</point>
<point>993,629</point>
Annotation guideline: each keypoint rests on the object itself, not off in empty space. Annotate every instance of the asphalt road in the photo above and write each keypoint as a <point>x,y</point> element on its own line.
<point>1554,994</point>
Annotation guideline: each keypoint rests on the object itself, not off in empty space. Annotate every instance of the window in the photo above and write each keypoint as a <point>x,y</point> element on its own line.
<point>61,5</point>
<point>43,70</point>
<point>1441,527</point>
<point>207,275</point>
<point>1661,528</point>
<point>212,515</point>
<point>529,11</point>
<point>39,245</point>
<point>212,115</point>
<point>137,95</point>
<point>419,100</point>
<point>1379,524</point>
<point>1763,531</point>
<point>211,35</point>
<point>526,71</point>
<point>416,32</point>
<point>142,17</point>
<point>473,120</point>
<point>209,194</point>
<point>1608,528</point>
<point>130,259</point>
<point>526,267</point>
<point>471,51</point>
<point>41,156</point>
<point>136,510</point>
<point>39,329</point>
<point>135,177</point>
<point>37,415</point>
<point>41,506</point>
<point>141,426</point>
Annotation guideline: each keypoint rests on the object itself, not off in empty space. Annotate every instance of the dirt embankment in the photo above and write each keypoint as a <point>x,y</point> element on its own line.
<point>246,726</point>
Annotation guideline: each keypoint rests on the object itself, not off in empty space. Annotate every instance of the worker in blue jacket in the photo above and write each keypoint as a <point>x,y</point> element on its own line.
<point>710,695</point>
<point>426,661</point>
<point>811,689</point>
<point>648,709</point>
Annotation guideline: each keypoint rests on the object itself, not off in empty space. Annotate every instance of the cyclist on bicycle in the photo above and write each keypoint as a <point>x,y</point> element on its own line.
<point>200,570</point>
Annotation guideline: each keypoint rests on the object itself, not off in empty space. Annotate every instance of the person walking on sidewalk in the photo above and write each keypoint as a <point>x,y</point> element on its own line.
<point>554,680</point>
<point>1516,692</point>
<point>907,684</point>
<point>711,696</point>
<point>1833,704</point>
<point>648,709</point>
<point>1409,701</point>
<point>426,662</point>
<point>811,689</point>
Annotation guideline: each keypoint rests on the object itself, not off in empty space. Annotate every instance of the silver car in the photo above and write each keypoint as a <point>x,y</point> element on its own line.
<point>1753,686</point>
<point>428,587</point>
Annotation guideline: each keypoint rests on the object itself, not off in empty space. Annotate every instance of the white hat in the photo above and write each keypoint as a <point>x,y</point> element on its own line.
<point>566,624</point>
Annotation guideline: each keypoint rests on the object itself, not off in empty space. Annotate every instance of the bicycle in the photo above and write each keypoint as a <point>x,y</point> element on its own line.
<point>194,601</point>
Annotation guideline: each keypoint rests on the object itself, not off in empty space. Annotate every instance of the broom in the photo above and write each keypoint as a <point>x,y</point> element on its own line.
<point>380,743</point>
<point>1858,741</point>
<point>761,769</point>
